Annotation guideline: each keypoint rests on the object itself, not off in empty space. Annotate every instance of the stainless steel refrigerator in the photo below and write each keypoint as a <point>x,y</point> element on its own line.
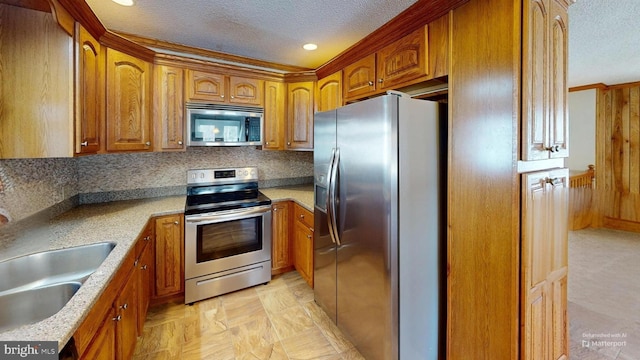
<point>378,208</point>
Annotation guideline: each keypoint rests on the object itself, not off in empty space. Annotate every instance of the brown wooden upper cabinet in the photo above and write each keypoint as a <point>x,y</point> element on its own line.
<point>329,92</point>
<point>544,82</point>
<point>275,114</point>
<point>128,120</point>
<point>300,115</point>
<point>169,108</point>
<point>90,96</point>
<point>219,88</point>
<point>398,64</point>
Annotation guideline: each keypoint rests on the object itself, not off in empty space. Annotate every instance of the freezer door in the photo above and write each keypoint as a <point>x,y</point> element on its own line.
<point>324,253</point>
<point>367,257</point>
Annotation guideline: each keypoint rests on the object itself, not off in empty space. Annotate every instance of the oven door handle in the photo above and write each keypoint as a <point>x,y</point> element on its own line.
<point>227,215</point>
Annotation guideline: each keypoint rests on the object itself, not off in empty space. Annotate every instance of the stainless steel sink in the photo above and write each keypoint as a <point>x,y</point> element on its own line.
<point>73,264</point>
<point>33,305</point>
<point>36,286</point>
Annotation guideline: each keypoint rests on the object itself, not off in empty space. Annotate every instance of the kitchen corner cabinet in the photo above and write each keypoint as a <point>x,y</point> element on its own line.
<point>128,119</point>
<point>169,262</point>
<point>329,92</point>
<point>544,80</point>
<point>303,243</point>
<point>90,92</point>
<point>219,88</point>
<point>300,115</point>
<point>275,114</point>
<point>544,321</point>
<point>169,108</point>
<point>280,249</point>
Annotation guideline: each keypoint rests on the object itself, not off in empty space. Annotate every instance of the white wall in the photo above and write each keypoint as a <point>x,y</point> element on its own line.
<point>582,129</point>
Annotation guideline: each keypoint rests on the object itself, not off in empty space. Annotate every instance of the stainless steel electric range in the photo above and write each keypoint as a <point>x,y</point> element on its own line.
<point>227,232</point>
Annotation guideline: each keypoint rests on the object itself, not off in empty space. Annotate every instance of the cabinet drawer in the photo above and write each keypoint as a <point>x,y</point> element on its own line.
<point>304,216</point>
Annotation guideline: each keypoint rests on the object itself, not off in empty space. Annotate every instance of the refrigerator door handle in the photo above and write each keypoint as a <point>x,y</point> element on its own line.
<point>333,195</point>
<point>328,204</point>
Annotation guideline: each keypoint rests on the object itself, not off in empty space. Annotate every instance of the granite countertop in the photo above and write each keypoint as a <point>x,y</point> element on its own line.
<point>120,222</point>
<point>302,194</point>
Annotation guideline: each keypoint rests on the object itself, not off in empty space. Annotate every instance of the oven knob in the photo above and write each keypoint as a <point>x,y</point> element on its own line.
<point>253,172</point>
<point>245,173</point>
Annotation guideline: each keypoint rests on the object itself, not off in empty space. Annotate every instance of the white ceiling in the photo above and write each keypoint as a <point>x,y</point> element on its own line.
<point>270,30</point>
<point>604,41</point>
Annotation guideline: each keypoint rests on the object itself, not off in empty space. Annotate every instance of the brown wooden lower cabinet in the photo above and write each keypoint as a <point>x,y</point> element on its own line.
<point>103,346</point>
<point>115,321</point>
<point>281,260</point>
<point>303,243</point>
<point>169,238</point>
<point>544,320</point>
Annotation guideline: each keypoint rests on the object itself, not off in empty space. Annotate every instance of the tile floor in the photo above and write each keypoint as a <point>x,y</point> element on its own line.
<point>277,321</point>
<point>604,295</point>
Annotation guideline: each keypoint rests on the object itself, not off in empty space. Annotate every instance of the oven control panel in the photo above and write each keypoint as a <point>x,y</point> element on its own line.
<point>222,176</point>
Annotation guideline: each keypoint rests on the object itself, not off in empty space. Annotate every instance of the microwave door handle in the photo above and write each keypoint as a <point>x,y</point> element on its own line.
<point>247,125</point>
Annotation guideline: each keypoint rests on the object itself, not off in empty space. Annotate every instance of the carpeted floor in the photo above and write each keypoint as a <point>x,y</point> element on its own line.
<point>604,295</point>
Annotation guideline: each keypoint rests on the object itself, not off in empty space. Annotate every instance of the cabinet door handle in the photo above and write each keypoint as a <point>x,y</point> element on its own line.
<point>143,267</point>
<point>84,143</point>
<point>233,97</point>
<point>176,222</point>
<point>147,238</point>
<point>288,144</point>
<point>124,306</point>
<point>301,216</point>
<point>222,96</point>
<point>552,148</point>
<point>553,182</point>
<point>308,236</point>
<point>370,83</point>
<point>117,318</point>
<point>381,80</point>
<point>148,143</point>
<point>179,142</point>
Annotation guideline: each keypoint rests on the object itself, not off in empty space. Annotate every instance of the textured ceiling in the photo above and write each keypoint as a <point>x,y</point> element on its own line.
<point>270,30</point>
<point>604,42</point>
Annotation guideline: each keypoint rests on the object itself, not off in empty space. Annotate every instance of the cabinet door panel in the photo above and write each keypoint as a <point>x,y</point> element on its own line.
<point>169,102</point>
<point>280,251</point>
<point>300,116</point>
<point>535,114</point>
<point>360,78</point>
<point>128,88</point>
<point>203,86</point>
<point>169,255</point>
<point>246,91</point>
<point>274,115</point>
<point>103,346</point>
<point>329,92</point>
<point>559,118</point>
<point>404,60</point>
<point>544,265</point>
<point>303,249</point>
<point>90,96</point>
<point>127,323</point>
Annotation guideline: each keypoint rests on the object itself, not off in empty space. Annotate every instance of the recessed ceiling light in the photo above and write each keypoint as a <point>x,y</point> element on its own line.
<point>309,46</point>
<point>124,2</point>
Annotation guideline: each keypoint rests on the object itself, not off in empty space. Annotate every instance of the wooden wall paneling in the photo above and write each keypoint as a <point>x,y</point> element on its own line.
<point>483,246</point>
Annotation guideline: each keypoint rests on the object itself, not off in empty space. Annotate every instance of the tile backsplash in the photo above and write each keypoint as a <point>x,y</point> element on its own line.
<point>33,185</point>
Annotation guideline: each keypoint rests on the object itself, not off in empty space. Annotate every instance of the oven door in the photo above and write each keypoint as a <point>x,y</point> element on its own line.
<point>224,240</point>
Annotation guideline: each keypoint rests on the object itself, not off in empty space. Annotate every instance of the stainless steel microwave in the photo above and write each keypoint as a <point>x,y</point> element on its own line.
<point>224,125</point>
